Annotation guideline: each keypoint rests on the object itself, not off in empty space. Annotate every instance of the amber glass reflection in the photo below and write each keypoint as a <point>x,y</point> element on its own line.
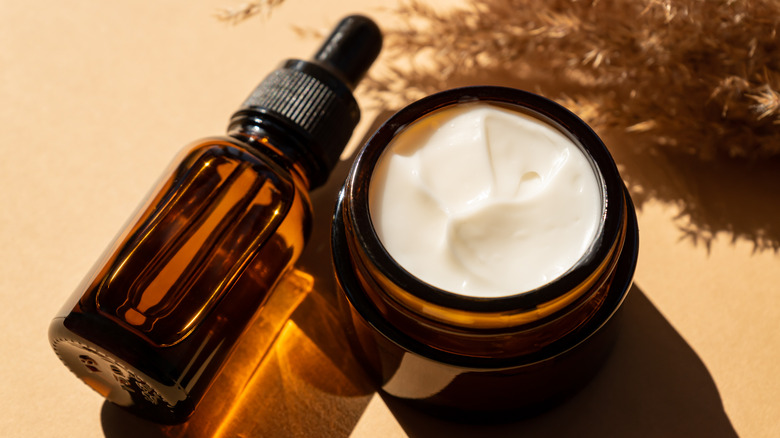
<point>189,248</point>
<point>292,373</point>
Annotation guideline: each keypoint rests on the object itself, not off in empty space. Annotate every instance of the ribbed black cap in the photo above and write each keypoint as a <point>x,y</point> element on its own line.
<point>314,98</point>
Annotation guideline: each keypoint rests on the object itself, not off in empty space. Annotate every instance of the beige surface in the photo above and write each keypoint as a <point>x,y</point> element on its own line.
<point>98,96</point>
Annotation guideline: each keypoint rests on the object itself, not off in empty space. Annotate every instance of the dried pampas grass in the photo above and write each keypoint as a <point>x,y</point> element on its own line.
<point>702,76</point>
<point>242,12</point>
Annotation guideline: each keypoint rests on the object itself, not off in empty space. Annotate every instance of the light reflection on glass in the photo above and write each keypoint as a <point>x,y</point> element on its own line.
<point>291,374</point>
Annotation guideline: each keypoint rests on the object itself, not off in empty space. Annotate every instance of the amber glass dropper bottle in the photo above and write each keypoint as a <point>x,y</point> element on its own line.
<point>151,325</point>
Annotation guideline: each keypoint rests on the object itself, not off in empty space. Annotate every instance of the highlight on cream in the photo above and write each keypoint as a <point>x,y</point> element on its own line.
<point>483,201</point>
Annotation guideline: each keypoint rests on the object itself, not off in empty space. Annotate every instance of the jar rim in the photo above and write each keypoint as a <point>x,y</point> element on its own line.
<point>356,193</point>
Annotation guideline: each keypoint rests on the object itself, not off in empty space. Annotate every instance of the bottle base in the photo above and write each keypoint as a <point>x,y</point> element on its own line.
<point>119,382</point>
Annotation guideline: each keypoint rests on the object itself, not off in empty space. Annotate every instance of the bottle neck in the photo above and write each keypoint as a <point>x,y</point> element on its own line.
<point>281,145</point>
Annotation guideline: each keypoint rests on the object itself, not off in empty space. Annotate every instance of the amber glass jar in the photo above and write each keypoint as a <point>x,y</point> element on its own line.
<point>457,353</point>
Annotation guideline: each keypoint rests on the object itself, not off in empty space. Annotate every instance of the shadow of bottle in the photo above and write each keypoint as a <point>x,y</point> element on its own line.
<point>653,384</point>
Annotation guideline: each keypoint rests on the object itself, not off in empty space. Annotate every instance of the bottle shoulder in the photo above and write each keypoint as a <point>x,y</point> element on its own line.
<point>258,151</point>
<point>232,149</point>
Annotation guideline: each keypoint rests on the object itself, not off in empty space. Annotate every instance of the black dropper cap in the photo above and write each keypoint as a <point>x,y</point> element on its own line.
<point>312,100</point>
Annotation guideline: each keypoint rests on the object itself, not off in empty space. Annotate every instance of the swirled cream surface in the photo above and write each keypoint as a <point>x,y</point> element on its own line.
<point>484,201</point>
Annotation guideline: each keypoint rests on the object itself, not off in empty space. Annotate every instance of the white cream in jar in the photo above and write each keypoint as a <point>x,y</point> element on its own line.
<point>484,201</point>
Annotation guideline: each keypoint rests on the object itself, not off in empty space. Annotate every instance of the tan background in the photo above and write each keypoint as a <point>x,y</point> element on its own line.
<point>95,99</point>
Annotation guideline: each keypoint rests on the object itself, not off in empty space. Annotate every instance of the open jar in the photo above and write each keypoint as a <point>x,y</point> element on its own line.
<point>459,352</point>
